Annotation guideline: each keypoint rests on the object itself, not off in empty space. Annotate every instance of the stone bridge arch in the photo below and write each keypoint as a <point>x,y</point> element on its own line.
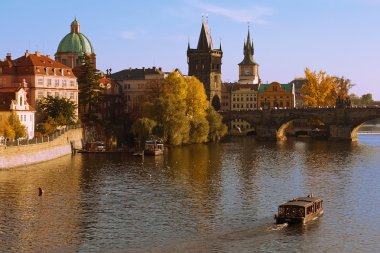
<point>284,123</point>
<point>236,119</point>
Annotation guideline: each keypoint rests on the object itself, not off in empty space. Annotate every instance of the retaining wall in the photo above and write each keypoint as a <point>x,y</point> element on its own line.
<point>14,156</point>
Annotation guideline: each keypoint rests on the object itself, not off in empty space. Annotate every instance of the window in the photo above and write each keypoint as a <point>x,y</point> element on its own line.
<point>64,83</point>
<point>72,83</point>
<point>71,95</point>
<point>40,94</point>
<point>56,94</point>
<point>48,82</point>
<point>56,83</point>
<point>40,81</point>
<point>64,95</point>
<point>48,93</point>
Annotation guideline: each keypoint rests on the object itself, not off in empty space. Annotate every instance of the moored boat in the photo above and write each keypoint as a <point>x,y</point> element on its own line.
<point>154,148</point>
<point>300,210</point>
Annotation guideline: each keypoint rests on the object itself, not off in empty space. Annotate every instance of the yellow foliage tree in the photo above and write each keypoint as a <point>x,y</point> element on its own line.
<point>319,90</point>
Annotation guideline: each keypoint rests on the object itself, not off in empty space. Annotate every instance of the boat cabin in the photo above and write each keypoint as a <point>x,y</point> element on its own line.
<point>300,210</point>
<point>154,148</point>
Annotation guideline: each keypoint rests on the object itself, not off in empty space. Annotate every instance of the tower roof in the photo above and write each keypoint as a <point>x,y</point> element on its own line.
<point>205,40</point>
<point>248,51</point>
<point>75,41</point>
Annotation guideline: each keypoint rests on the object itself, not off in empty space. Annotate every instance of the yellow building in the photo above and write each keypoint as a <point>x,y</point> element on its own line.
<point>276,95</point>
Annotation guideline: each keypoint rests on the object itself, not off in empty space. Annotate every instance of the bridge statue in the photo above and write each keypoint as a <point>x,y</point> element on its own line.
<point>342,121</point>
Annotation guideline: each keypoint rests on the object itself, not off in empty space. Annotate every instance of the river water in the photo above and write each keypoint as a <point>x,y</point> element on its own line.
<point>199,198</point>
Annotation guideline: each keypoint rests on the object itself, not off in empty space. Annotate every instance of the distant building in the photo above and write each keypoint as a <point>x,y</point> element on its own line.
<point>15,100</point>
<point>112,99</point>
<point>248,68</point>
<point>298,83</point>
<point>226,96</point>
<point>276,95</point>
<point>73,47</point>
<point>205,63</point>
<point>44,76</point>
<point>137,85</point>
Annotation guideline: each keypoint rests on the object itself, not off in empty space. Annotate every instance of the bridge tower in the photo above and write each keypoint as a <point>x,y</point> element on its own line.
<point>248,68</point>
<point>205,63</point>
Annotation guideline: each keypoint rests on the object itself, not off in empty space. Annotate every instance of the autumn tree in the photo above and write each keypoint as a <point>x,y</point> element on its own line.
<point>14,128</point>
<point>217,128</point>
<point>322,89</point>
<point>180,110</point>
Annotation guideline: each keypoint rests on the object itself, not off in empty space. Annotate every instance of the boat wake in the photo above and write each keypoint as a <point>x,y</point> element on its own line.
<point>277,227</point>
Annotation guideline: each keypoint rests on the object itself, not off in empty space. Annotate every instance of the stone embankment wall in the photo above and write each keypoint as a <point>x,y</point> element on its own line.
<point>15,156</point>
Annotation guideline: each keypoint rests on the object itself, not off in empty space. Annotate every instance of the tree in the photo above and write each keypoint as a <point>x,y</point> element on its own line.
<point>8,132</point>
<point>343,86</point>
<point>217,128</point>
<point>180,109</point>
<point>197,104</point>
<point>90,92</point>
<point>319,90</point>
<point>61,110</point>
<point>143,129</point>
<point>366,99</point>
<point>15,126</point>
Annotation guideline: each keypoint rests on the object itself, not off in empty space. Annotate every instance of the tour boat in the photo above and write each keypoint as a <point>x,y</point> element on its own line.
<point>154,148</point>
<point>299,210</point>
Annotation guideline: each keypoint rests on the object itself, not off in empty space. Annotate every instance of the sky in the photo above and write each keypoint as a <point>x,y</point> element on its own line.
<point>341,37</point>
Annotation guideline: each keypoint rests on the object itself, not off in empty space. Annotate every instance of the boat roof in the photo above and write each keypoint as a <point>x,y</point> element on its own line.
<point>302,201</point>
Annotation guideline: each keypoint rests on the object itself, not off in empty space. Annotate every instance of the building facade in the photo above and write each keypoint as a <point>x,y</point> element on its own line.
<point>137,85</point>
<point>15,100</point>
<point>73,48</point>
<point>276,95</point>
<point>298,83</point>
<point>43,75</point>
<point>112,99</point>
<point>248,68</point>
<point>205,63</point>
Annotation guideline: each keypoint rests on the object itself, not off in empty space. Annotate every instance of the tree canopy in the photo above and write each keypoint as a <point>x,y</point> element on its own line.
<point>322,89</point>
<point>13,129</point>
<point>180,110</point>
<point>61,110</point>
<point>90,92</point>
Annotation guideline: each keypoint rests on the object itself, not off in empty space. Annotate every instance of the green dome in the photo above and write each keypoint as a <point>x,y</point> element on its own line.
<point>75,43</point>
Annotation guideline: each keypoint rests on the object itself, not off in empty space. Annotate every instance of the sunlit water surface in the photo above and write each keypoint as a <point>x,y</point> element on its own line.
<point>199,198</point>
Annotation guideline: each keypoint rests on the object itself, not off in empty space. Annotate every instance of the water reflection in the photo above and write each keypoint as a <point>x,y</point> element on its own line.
<point>200,198</point>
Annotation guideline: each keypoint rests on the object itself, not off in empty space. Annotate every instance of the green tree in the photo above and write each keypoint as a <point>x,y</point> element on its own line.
<point>142,128</point>
<point>61,110</point>
<point>366,99</point>
<point>15,124</point>
<point>217,128</point>
<point>90,92</point>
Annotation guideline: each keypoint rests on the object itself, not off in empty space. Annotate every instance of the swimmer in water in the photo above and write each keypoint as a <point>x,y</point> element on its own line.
<point>40,191</point>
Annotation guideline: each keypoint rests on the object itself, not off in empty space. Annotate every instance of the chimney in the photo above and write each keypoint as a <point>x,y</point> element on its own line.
<point>160,69</point>
<point>38,53</point>
<point>26,53</point>
<point>48,56</point>
<point>143,68</point>
<point>9,56</point>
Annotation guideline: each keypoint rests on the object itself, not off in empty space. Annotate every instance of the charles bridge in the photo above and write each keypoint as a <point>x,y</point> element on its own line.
<point>342,123</point>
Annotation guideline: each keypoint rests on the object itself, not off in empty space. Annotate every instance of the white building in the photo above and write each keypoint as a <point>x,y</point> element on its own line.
<point>15,100</point>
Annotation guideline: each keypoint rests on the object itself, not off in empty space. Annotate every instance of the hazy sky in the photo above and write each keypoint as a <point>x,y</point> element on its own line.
<point>341,37</point>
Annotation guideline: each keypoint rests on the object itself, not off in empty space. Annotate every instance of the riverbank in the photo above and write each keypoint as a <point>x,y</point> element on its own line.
<point>15,156</point>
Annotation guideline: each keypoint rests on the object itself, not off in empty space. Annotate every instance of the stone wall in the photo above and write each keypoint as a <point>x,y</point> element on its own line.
<point>15,156</point>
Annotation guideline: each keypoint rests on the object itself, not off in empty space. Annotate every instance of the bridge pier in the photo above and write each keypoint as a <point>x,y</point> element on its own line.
<point>342,133</point>
<point>269,133</point>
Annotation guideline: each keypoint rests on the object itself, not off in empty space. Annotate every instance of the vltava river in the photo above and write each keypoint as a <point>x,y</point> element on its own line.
<point>199,198</point>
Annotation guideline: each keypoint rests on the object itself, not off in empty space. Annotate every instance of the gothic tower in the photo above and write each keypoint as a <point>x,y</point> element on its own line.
<point>205,63</point>
<point>248,68</point>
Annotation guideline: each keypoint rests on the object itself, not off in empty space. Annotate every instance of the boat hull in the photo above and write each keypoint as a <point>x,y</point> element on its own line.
<point>298,220</point>
<point>153,152</point>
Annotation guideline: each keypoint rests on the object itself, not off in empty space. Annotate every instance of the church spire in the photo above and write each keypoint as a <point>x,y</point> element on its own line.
<point>205,40</point>
<point>248,50</point>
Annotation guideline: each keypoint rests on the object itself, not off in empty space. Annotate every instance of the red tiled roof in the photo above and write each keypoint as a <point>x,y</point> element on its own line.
<point>35,64</point>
